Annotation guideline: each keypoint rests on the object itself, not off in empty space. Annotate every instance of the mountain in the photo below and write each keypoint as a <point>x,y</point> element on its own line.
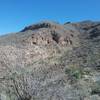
<point>51,61</point>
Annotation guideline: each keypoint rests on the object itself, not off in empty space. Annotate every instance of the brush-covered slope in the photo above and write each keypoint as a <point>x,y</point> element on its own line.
<point>50,61</point>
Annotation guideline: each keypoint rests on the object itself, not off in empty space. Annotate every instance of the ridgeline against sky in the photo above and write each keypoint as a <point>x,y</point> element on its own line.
<point>15,14</point>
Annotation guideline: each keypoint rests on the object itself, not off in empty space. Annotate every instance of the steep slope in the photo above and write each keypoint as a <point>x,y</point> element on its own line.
<point>49,61</point>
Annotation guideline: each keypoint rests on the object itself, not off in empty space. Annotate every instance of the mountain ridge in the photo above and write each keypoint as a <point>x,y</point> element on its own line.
<point>51,61</point>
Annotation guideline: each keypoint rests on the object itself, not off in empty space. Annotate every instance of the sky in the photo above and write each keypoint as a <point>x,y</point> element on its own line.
<point>16,14</point>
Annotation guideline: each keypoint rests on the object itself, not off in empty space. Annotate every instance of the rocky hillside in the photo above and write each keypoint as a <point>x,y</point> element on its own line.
<point>50,61</point>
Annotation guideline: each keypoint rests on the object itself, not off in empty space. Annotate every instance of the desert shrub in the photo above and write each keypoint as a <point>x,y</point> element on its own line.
<point>75,73</point>
<point>19,86</point>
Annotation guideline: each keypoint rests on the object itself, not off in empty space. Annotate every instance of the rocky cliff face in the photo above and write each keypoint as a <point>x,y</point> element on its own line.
<point>49,61</point>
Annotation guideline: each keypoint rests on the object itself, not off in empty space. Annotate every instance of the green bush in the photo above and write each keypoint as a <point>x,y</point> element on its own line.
<point>74,72</point>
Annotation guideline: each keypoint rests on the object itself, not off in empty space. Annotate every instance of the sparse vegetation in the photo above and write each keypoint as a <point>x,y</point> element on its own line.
<point>49,61</point>
<point>74,72</point>
<point>19,86</point>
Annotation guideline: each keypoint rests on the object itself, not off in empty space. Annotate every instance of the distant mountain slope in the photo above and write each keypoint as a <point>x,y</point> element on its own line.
<point>50,61</point>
